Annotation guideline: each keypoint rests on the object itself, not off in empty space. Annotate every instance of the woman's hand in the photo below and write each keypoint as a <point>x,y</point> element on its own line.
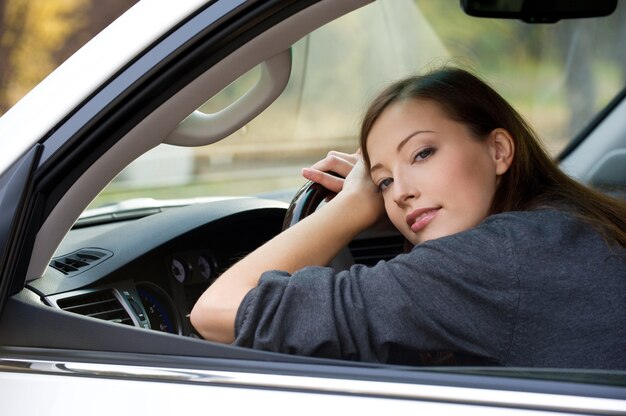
<point>357,182</point>
<point>336,162</point>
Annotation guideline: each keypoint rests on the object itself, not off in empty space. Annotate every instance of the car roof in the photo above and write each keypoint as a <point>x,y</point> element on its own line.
<point>98,60</point>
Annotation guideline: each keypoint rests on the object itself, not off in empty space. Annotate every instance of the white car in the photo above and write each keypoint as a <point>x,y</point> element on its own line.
<point>170,145</point>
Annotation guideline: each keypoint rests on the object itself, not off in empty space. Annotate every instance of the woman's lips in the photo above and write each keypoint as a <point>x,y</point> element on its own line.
<point>420,218</point>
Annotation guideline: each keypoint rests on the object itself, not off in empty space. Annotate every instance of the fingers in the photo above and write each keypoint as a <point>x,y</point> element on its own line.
<point>336,162</point>
<point>328,181</point>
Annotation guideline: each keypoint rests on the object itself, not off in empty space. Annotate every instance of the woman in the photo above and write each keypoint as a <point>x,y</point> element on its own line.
<point>513,262</point>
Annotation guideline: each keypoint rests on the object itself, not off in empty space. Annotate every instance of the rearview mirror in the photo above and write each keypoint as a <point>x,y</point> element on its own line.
<point>539,11</point>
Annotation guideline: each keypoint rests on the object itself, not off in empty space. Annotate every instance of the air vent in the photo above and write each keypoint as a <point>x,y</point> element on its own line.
<point>370,251</point>
<point>101,305</point>
<point>80,260</point>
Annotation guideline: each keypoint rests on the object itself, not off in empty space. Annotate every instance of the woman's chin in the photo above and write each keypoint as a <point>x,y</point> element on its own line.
<point>428,235</point>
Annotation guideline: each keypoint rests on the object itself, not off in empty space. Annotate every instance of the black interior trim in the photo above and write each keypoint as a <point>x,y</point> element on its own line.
<point>57,329</point>
<point>16,208</point>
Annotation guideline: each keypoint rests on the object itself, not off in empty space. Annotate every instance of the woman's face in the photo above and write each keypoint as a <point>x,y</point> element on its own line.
<point>435,177</point>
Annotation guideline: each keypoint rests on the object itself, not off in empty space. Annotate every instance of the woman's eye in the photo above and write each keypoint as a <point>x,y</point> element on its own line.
<point>424,154</point>
<point>384,184</point>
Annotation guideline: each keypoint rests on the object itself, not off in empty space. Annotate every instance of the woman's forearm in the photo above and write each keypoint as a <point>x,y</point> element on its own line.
<point>313,241</point>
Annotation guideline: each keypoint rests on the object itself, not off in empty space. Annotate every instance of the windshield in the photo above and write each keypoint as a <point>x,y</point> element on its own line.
<point>558,76</point>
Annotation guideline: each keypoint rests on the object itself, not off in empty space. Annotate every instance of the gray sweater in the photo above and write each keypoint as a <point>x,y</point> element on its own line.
<point>535,288</point>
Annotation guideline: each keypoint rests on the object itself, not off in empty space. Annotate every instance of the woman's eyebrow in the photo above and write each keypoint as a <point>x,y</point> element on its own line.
<point>409,137</point>
<point>401,145</point>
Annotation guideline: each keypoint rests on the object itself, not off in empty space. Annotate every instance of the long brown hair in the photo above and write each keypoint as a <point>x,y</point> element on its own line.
<point>533,179</point>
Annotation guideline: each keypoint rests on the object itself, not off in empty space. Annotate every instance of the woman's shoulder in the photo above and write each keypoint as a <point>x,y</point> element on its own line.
<point>545,220</point>
<point>549,229</point>
<point>518,224</point>
<point>533,215</point>
<point>499,232</point>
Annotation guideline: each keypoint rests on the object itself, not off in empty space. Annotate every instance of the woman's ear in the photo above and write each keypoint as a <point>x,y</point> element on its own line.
<point>503,149</point>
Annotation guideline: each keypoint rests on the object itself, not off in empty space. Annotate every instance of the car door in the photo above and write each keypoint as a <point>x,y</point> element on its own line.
<point>53,362</point>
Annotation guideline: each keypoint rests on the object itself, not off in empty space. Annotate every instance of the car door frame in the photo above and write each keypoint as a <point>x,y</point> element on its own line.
<point>80,139</point>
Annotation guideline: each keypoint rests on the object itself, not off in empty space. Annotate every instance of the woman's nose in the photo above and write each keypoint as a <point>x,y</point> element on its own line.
<point>404,191</point>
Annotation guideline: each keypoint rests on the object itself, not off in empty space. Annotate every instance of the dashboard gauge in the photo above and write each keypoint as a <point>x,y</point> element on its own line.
<point>205,267</point>
<point>180,269</point>
<point>160,308</point>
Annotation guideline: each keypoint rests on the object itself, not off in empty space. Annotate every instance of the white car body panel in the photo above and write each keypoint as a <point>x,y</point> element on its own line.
<point>124,397</point>
<point>264,394</point>
<point>85,71</point>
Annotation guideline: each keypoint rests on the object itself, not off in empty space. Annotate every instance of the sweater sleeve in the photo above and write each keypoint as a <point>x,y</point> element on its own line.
<point>459,293</point>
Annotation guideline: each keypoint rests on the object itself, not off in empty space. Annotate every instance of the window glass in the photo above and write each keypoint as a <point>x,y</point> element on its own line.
<point>559,76</point>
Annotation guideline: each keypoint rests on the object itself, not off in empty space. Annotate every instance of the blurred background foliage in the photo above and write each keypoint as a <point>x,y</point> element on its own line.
<point>559,76</point>
<point>37,35</point>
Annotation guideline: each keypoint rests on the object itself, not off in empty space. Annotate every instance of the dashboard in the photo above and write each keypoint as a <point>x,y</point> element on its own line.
<point>149,272</point>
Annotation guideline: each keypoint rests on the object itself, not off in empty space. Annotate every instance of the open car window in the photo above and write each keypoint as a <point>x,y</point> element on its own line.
<point>551,73</point>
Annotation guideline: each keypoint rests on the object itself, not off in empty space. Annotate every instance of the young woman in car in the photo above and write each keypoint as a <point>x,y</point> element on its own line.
<point>513,262</point>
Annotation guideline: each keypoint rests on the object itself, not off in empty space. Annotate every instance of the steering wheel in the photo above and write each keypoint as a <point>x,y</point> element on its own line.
<point>304,203</point>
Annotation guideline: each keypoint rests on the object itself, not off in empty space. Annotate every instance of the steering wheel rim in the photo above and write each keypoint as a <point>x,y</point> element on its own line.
<point>304,203</point>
